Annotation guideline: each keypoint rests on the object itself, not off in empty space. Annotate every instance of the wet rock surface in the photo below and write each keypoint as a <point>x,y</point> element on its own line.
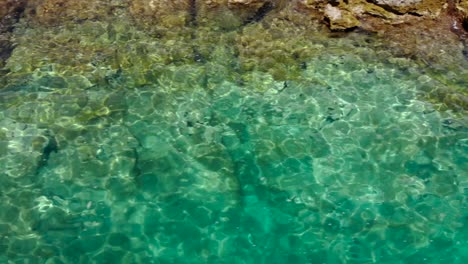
<point>11,8</point>
<point>10,12</point>
<point>184,27</point>
<point>101,37</point>
<point>56,12</point>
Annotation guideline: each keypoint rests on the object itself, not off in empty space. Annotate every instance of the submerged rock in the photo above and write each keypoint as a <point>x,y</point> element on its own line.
<point>167,13</point>
<point>25,149</point>
<point>55,12</point>
<point>10,11</point>
<point>133,41</point>
<point>11,7</point>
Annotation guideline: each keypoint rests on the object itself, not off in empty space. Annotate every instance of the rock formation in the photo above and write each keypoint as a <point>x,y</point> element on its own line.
<point>10,11</point>
<point>340,19</point>
<point>98,38</point>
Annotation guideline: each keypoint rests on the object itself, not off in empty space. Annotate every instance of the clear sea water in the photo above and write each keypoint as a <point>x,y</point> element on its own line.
<point>348,162</point>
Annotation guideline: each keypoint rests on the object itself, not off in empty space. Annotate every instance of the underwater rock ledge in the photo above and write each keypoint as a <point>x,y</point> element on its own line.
<point>10,12</point>
<point>97,39</point>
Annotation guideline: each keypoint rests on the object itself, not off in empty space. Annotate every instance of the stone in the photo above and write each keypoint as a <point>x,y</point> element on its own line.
<point>232,14</point>
<point>119,240</point>
<point>108,255</point>
<point>312,3</point>
<point>24,149</point>
<point>54,12</point>
<point>11,7</point>
<point>245,2</point>
<point>340,19</point>
<point>398,3</point>
<point>23,245</point>
<point>9,213</point>
<point>10,11</point>
<point>251,4</point>
<point>431,8</point>
<point>362,8</point>
<point>167,13</point>
<point>91,243</point>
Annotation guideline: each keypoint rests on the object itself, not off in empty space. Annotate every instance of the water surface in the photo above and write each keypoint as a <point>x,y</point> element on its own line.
<point>347,162</point>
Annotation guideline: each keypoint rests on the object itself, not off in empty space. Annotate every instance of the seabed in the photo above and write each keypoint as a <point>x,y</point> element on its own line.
<point>263,141</point>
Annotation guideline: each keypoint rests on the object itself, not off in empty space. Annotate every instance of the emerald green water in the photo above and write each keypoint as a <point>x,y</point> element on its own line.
<point>208,164</point>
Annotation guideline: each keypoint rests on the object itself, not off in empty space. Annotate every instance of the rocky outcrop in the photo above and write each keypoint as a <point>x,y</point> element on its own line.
<point>340,19</point>
<point>90,42</point>
<point>231,14</point>
<point>430,8</point>
<point>11,7</point>
<point>57,12</point>
<point>221,14</point>
<point>10,11</point>
<point>167,13</point>
<point>347,14</point>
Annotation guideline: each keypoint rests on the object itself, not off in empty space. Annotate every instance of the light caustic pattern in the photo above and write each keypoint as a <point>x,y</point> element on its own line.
<point>344,165</point>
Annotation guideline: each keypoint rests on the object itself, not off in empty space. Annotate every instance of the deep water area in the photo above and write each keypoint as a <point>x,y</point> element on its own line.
<point>342,159</point>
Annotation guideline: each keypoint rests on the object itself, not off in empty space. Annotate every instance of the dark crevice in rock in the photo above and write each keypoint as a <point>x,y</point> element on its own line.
<point>388,8</point>
<point>414,14</point>
<point>6,48</point>
<point>465,49</point>
<point>465,23</point>
<point>459,24</point>
<point>136,169</point>
<point>7,22</point>
<point>193,13</point>
<point>261,13</point>
<point>334,2</point>
<point>11,16</point>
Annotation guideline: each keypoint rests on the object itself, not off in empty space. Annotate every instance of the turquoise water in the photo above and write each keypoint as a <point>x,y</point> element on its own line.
<point>345,164</point>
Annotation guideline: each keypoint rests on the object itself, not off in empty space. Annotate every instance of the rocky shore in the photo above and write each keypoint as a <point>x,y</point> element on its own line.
<point>97,38</point>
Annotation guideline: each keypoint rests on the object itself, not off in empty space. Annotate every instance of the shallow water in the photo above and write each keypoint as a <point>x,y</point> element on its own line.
<point>347,163</point>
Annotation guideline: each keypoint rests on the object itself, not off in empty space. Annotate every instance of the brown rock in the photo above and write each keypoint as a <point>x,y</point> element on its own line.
<point>8,7</point>
<point>281,46</point>
<point>58,11</point>
<point>232,14</point>
<point>214,3</point>
<point>10,11</point>
<point>362,8</point>
<point>430,8</point>
<point>340,19</point>
<point>254,4</point>
<point>312,4</point>
<point>168,12</point>
<point>462,7</point>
